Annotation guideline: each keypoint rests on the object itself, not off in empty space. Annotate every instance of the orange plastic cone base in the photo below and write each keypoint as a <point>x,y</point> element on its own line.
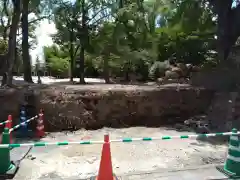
<point>105,169</point>
<point>114,178</point>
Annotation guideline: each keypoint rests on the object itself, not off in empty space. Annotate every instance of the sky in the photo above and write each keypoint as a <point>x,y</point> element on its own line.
<point>43,33</point>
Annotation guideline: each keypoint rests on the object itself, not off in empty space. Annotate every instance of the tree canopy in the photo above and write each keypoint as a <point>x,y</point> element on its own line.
<point>118,38</point>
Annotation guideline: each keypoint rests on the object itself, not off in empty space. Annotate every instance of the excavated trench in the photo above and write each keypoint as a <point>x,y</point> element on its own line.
<point>125,106</point>
<point>93,107</point>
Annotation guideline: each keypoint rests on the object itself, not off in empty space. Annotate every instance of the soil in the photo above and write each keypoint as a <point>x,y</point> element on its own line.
<point>71,107</point>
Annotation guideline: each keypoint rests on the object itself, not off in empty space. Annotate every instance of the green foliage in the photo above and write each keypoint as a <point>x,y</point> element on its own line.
<point>57,61</point>
<point>135,39</point>
<point>59,66</point>
<point>3,47</point>
<point>189,33</point>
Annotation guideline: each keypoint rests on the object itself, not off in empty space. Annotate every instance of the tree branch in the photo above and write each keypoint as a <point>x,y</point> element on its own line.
<point>2,22</point>
<point>5,7</point>
<point>95,15</point>
<point>38,19</point>
<point>89,6</point>
<point>97,21</point>
<point>76,50</point>
<point>31,22</point>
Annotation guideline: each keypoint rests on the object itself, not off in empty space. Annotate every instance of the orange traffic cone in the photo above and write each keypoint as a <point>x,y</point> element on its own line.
<point>9,122</point>
<point>40,126</point>
<point>105,170</point>
<point>9,126</point>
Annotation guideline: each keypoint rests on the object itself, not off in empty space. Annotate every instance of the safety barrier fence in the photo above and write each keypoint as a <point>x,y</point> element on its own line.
<point>23,123</point>
<point>230,168</point>
<point>4,123</point>
<point>64,143</point>
<point>126,140</point>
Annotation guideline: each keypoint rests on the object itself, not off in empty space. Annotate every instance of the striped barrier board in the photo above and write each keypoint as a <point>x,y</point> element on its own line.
<point>5,122</point>
<point>23,123</point>
<point>64,143</point>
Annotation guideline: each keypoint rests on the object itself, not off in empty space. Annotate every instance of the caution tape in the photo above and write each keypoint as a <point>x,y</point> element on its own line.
<point>41,144</point>
<point>64,143</point>
<point>22,123</point>
<point>193,136</point>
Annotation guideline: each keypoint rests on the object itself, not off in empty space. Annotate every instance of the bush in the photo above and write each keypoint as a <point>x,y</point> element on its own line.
<point>58,67</point>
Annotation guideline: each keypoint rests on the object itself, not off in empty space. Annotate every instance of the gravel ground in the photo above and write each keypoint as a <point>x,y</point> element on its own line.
<point>82,161</point>
<point>96,84</point>
<point>52,80</point>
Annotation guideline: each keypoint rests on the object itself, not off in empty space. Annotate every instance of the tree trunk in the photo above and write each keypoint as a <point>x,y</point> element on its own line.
<point>228,26</point>
<point>71,56</point>
<point>106,69</point>
<point>106,55</point>
<point>5,34</point>
<point>84,39</point>
<point>25,45</point>
<point>12,40</point>
<point>121,3</point>
<point>82,81</point>
<point>15,66</point>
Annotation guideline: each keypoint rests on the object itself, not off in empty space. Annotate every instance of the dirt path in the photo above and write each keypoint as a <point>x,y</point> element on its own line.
<point>82,161</point>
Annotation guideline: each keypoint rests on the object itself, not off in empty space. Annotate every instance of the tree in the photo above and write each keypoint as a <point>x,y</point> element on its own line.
<point>130,40</point>
<point>64,16</point>
<point>25,45</point>
<point>28,7</point>
<point>188,34</point>
<point>5,18</point>
<point>228,25</point>
<point>77,25</point>
<point>103,46</point>
<point>9,21</point>
<point>38,70</point>
<point>12,42</point>
<point>57,61</point>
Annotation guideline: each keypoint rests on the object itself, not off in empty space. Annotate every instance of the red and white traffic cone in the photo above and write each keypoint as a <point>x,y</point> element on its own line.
<point>9,126</point>
<point>105,170</point>
<point>40,126</point>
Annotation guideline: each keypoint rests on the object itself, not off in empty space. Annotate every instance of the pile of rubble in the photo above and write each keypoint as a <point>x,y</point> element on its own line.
<point>178,73</point>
